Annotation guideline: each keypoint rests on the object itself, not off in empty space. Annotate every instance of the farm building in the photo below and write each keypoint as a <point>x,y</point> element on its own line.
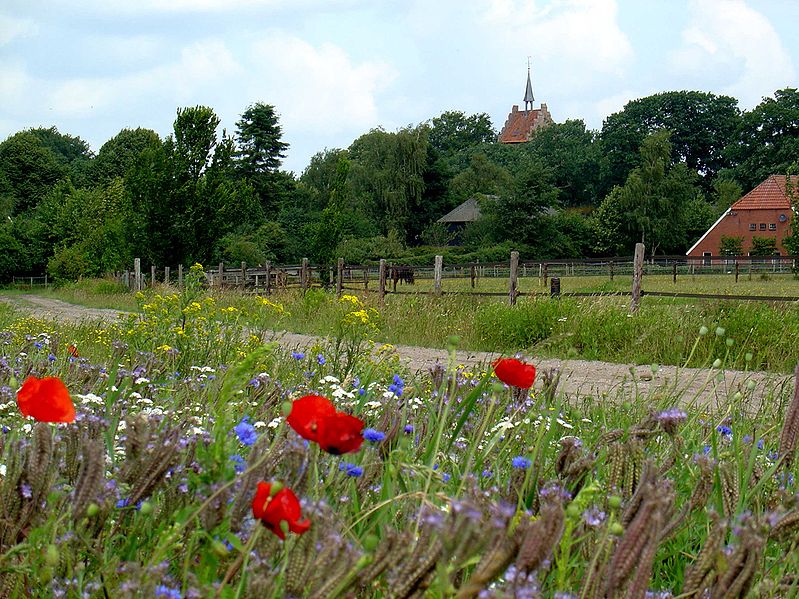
<point>521,124</point>
<point>758,220</point>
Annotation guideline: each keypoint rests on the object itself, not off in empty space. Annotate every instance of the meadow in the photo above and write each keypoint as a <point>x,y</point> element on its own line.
<point>194,468</point>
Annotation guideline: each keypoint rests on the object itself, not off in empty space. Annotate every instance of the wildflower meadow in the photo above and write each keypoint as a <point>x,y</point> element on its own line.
<point>181,453</point>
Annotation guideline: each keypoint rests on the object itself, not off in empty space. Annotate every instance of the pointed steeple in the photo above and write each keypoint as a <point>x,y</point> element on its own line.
<point>528,92</point>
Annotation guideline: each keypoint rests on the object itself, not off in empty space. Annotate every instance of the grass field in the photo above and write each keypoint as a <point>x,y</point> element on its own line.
<point>460,486</point>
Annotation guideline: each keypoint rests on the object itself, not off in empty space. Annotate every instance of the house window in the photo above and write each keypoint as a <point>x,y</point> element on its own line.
<point>772,226</point>
<point>752,227</point>
<point>762,226</point>
<point>706,258</point>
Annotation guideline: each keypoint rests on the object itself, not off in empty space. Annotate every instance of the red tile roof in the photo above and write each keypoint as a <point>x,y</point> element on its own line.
<point>770,194</point>
<point>518,126</point>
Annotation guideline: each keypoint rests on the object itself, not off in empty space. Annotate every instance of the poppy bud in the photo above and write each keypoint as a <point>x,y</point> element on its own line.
<point>717,363</point>
<point>92,510</point>
<point>219,548</point>
<point>614,502</point>
<point>370,542</point>
<point>453,341</point>
<point>286,408</point>
<point>616,529</point>
<point>13,383</point>
<point>572,511</point>
<point>51,556</point>
<point>146,508</point>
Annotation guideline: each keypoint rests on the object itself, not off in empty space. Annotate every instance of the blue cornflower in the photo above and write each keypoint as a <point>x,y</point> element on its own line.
<point>398,386</point>
<point>372,435</point>
<point>246,432</point>
<point>254,383</point>
<point>238,463</point>
<point>361,391</point>
<point>408,429</point>
<point>445,477</point>
<point>724,430</point>
<point>164,591</point>
<point>320,359</point>
<point>520,462</point>
<point>351,469</point>
<point>297,355</point>
<point>760,443</point>
<point>487,474</point>
<point>123,502</point>
<point>38,344</point>
<point>51,357</point>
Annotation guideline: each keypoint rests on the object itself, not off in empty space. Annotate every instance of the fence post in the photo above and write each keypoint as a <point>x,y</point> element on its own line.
<point>554,289</point>
<point>305,279</point>
<point>243,275</point>
<point>610,267</point>
<point>126,279</point>
<point>152,275</point>
<point>514,272</point>
<point>268,277</point>
<point>545,275</point>
<point>381,286</point>
<point>437,268</point>
<point>638,273</point>
<point>737,270</point>
<point>137,273</point>
<point>180,276</point>
<point>674,272</point>
<point>366,278</point>
<point>45,280</point>
<point>472,274</point>
<point>339,277</point>
<point>221,274</point>
<point>166,275</point>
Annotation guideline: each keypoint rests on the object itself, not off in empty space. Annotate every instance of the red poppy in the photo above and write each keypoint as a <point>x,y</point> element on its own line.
<point>47,400</point>
<point>283,506</point>
<point>340,433</point>
<point>514,372</point>
<point>306,413</point>
<point>73,351</point>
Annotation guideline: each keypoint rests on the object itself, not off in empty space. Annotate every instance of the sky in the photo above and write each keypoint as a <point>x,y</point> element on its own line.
<point>334,69</point>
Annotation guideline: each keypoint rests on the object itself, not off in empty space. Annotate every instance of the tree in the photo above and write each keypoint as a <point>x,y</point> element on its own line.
<point>482,177</point>
<point>453,132</point>
<point>767,140</point>
<point>731,246</point>
<point>29,169</point>
<point>574,157</point>
<point>763,245</point>
<point>195,138</point>
<point>655,205</point>
<point>701,126</point>
<point>258,133</point>
<point>71,151</point>
<point>118,154</point>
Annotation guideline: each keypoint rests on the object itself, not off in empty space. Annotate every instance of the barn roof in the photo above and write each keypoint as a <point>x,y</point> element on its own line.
<point>467,212</point>
<point>771,194</point>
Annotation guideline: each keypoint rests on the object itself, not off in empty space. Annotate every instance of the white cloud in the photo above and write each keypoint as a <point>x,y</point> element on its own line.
<point>317,88</point>
<point>579,39</point>
<point>208,6</point>
<point>733,49</point>
<point>12,28</point>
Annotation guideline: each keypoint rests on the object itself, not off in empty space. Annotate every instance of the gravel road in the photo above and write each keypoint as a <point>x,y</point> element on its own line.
<point>580,379</point>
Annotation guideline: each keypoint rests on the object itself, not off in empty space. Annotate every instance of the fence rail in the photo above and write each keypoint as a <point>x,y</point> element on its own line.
<point>485,279</point>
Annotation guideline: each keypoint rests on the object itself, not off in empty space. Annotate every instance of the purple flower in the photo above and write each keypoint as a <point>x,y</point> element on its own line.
<point>51,357</point>
<point>398,386</point>
<point>593,516</point>
<point>320,359</point>
<point>671,419</point>
<point>297,355</point>
<point>408,429</point>
<point>246,432</point>
<point>238,463</point>
<point>169,592</point>
<point>520,462</point>
<point>724,430</point>
<point>372,435</point>
<point>26,491</point>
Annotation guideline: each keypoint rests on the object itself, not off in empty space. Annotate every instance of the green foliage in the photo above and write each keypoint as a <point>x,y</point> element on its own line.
<point>731,246</point>
<point>356,250</point>
<point>119,154</point>
<point>29,169</point>
<point>453,131</point>
<point>766,142</point>
<point>763,245</point>
<point>701,126</point>
<point>12,255</point>
<point>437,234</point>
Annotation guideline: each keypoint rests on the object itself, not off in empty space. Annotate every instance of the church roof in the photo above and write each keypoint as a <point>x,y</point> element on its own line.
<point>771,194</point>
<point>518,126</point>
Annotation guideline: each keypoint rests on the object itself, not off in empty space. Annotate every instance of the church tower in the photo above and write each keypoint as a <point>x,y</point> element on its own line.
<point>520,125</point>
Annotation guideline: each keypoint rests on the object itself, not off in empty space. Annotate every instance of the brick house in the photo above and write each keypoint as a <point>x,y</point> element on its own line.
<point>521,124</point>
<point>763,212</point>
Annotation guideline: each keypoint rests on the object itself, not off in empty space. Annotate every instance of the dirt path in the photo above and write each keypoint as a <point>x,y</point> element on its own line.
<point>579,378</point>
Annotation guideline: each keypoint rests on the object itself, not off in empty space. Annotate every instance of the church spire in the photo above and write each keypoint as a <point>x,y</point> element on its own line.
<point>528,92</point>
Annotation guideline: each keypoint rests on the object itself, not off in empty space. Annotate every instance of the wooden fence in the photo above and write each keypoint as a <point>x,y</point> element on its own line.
<point>386,278</point>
